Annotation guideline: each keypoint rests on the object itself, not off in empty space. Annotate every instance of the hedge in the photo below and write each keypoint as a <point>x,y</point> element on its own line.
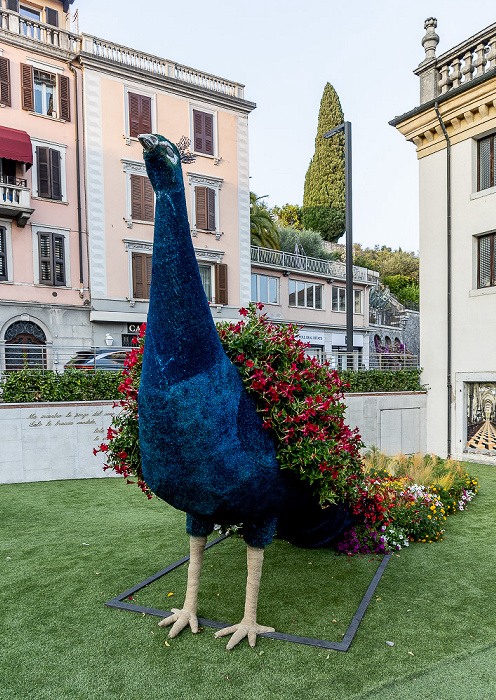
<point>376,380</point>
<point>26,386</point>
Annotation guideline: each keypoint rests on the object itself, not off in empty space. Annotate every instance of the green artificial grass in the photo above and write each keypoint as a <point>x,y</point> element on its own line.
<point>435,601</point>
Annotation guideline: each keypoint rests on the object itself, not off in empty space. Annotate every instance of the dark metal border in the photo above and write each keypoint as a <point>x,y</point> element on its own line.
<point>344,645</point>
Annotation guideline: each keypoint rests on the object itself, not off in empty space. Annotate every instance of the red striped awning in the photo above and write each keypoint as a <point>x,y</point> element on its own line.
<point>16,145</point>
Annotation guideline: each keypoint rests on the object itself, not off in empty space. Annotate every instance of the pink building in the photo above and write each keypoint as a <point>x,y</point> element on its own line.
<point>43,270</point>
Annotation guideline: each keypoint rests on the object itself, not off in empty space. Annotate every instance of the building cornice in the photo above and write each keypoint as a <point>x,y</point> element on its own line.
<point>467,111</point>
<point>183,89</point>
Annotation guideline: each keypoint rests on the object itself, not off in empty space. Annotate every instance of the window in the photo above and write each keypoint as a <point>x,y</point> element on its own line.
<point>51,259</point>
<point>339,299</point>
<point>4,81</point>
<point>486,163</point>
<point>264,289</point>
<point>203,132</point>
<point>305,294</point>
<point>3,254</point>
<point>205,208</point>
<point>358,301</point>
<point>48,167</point>
<point>40,91</point>
<point>142,275</point>
<point>140,114</point>
<point>141,198</point>
<point>486,264</point>
<point>206,278</point>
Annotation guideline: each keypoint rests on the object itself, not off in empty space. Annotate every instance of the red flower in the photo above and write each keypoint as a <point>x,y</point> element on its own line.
<point>249,363</point>
<point>243,312</point>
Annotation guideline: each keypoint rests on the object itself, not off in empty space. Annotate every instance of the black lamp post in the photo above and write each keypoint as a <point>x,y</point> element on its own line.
<point>346,128</point>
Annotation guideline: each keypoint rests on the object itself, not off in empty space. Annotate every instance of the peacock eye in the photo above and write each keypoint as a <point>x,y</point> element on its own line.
<point>171,155</point>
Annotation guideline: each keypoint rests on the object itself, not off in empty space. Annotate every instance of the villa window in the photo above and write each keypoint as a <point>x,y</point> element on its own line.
<point>51,259</point>
<point>305,294</point>
<point>203,132</point>
<point>142,198</point>
<point>4,81</point>
<point>486,267</point>
<point>357,294</point>
<point>49,176</point>
<point>42,92</point>
<point>339,299</point>
<point>205,208</point>
<point>140,114</point>
<point>264,289</point>
<point>3,254</point>
<point>486,163</point>
<point>142,275</point>
<point>206,278</point>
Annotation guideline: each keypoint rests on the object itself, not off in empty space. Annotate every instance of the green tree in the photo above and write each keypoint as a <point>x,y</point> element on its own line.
<point>288,215</point>
<point>310,241</point>
<point>324,196</point>
<point>263,229</point>
<point>387,262</point>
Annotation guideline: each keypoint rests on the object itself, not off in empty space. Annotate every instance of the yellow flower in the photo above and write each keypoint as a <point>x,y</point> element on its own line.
<point>429,517</point>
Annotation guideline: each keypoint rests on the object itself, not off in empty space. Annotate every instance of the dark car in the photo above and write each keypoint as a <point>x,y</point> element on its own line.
<point>99,358</point>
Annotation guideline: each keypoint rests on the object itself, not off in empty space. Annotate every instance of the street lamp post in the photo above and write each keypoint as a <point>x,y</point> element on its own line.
<point>346,128</point>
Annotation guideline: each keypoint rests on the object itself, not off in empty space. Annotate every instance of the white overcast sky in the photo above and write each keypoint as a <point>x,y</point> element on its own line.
<point>284,52</point>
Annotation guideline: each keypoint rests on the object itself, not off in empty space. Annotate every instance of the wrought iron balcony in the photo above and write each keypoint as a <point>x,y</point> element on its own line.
<point>15,199</point>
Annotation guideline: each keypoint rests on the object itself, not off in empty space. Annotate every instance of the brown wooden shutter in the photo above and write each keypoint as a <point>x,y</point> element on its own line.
<point>134,114</point>
<point>203,132</point>
<point>52,16</point>
<point>201,208</point>
<point>58,260</point>
<point>3,254</point>
<point>55,179</point>
<point>145,114</point>
<point>147,200</point>
<point>64,98</point>
<point>5,81</point>
<point>148,265</point>
<point>136,197</point>
<point>210,209</point>
<point>221,283</point>
<point>209,134</point>
<point>142,275</point>
<point>45,258</point>
<point>27,96</point>
<point>43,167</point>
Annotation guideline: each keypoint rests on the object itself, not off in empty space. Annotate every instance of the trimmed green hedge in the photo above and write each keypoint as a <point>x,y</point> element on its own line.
<point>26,386</point>
<point>376,380</point>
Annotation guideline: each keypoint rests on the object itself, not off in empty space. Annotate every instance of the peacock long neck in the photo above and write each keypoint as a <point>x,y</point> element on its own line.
<point>180,331</point>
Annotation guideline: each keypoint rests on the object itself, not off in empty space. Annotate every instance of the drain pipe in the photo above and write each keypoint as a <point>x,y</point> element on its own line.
<point>78,184</point>
<point>448,262</point>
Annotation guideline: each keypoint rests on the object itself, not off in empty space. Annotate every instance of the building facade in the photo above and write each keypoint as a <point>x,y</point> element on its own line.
<point>43,270</point>
<point>454,131</point>
<point>126,93</point>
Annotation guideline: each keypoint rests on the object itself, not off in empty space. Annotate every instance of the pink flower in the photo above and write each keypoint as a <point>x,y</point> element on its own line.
<point>243,312</point>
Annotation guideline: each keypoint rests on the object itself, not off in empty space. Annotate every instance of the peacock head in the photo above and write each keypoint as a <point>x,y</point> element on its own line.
<point>163,163</point>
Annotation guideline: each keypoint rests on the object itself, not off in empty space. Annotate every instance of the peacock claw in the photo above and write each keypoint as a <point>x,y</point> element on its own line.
<point>179,620</point>
<point>242,630</point>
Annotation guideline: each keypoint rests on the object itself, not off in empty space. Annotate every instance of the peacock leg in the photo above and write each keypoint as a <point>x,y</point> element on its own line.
<point>187,615</point>
<point>248,626</point>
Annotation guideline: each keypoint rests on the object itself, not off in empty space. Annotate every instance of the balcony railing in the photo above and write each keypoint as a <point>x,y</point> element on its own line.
<point>355,361</point>
<point>15,199</point>
<point>39,31</point>
<point>302,263</point>
<point>128,57</point>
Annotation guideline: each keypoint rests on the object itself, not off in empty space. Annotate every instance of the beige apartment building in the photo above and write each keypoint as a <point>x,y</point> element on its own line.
<point>454,131</point>
<point>43,270</point>
<point>127,92</point>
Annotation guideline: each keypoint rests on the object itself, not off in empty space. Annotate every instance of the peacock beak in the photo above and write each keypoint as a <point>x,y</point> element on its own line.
<point>148,141</point>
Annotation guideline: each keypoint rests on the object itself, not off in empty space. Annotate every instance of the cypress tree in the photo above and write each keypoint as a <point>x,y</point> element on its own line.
<point>323,197</point>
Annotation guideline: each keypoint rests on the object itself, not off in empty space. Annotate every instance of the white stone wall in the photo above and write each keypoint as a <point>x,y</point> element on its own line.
<point>42,442</point>
<point>392,422</point>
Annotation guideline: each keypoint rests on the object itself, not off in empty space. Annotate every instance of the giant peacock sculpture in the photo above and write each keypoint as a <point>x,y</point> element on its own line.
<point>204,447</point>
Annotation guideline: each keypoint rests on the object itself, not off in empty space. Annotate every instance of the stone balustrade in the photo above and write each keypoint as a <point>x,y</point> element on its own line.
<point>132,58</point>
<point>45,34</point>
<point>463,63</point>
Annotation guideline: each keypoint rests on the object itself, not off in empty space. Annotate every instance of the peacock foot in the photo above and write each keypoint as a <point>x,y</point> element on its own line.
<point>242,630</point>
<point>179,620</point>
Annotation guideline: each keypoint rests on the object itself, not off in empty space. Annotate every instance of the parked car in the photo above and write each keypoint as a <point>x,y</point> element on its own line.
<point>99,358</point>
